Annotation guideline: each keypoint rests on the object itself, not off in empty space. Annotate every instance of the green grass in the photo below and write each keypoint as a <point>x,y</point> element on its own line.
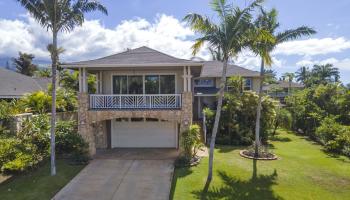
<point>303,171</point>
<point>38,184</point>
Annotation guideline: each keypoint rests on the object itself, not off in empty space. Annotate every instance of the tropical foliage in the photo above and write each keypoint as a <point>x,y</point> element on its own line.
<point>319,74</point>
<point>29,147</point>
<point>238,116</point>
<point>322,113</point>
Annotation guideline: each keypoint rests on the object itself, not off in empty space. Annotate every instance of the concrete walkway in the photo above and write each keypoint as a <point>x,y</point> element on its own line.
<point>143,174</point>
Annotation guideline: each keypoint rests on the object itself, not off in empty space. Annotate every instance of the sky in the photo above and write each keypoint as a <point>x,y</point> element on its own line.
<point>158,24</point>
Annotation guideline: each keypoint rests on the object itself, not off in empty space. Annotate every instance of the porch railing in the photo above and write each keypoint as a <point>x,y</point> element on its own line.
<point>135,101</point>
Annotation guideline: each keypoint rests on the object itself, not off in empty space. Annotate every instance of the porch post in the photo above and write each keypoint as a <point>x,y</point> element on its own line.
<point>84,80</point>
<point>97,84</point>
<point>189,79</point>
<point>100,85</point>
<point>185,79</point>
<point>80,80</point>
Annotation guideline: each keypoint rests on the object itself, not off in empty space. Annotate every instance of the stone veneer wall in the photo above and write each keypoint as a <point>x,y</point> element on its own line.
<point>92,126</point>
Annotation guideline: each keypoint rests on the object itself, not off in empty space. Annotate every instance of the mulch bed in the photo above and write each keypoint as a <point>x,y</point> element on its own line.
<point>264,156</point>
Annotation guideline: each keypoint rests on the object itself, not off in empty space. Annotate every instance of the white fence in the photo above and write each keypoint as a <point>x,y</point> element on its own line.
<point>135,101</point>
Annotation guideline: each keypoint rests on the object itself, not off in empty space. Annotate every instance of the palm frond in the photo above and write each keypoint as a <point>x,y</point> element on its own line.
<point>221,7</point>
<point>293,34</point>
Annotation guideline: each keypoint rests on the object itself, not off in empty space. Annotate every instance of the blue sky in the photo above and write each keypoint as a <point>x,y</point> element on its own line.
<point>160,20</point>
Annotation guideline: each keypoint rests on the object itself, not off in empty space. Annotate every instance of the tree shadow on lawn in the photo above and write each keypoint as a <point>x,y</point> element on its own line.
<point>259,187</point>
<point>277,138</point>
<point>228,148</point>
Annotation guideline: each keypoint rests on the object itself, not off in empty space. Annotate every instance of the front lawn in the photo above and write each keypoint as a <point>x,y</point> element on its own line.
<point>303,171</point>
<point>38,184</point>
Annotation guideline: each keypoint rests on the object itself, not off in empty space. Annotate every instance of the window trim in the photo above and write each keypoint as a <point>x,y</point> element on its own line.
<point>244,84</point>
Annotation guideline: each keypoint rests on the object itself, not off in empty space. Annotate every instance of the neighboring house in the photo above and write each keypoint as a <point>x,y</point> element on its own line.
<point>14,85</point>
<point>282,89</point>
<point>145,98</point>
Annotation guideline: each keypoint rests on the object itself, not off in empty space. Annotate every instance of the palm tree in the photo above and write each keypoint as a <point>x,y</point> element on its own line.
<point>303,75</point>
<point>268,21</point>
<point>325,73</point>
<point>58,16</point>
<point>24,64</point>
<point>229,36</point>
<point>289,77</point>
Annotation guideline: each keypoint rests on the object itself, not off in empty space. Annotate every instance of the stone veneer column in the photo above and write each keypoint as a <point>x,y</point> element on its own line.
<point>186,114</point>
<point>84,125</point>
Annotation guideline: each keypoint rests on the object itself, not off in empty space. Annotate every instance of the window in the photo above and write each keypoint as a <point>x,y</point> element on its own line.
<point>135,84</point>
<point>144,84</point>
<point>247,84</point>
<point>152,84</point>
<point>167,84</point>
<point>120,85</point>
<point>204,82</point>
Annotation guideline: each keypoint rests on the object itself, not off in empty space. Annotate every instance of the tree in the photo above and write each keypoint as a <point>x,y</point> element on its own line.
<point>24,64</point>
<point>58,16</point>
<point>229,36</point>
<point>268,21</point>
<point>323,74</point>
<point>288,77</point>
<point>303,75</point>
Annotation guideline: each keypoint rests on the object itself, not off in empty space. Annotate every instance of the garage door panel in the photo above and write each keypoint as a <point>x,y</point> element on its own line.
<point>144,134</point>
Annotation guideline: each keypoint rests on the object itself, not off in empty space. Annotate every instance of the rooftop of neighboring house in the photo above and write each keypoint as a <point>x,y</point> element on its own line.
<point>283,84</point>
<point>15,85</point>
<point>147,57</point>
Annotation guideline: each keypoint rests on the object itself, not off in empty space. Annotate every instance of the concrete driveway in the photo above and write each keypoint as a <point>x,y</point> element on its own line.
<point>123,174</point>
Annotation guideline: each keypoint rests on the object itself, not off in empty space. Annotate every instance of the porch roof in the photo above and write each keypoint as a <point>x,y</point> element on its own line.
<point>139,57</point>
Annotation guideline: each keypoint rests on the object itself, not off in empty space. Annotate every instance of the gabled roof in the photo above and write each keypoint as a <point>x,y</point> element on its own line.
<point>143,56</point>
<point>15,85</point>
<point>214,69</point>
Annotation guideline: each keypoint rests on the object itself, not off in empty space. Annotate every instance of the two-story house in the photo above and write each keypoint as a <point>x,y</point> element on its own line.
<point>146,98</point>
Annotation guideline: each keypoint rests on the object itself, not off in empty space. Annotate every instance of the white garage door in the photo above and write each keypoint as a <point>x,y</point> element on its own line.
<point>148,134</point>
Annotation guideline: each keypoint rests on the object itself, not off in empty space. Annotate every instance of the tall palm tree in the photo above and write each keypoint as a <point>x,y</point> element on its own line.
<point>229,36</point>
<point>267,20</point>
<point>302,75</point>
<point>58,16</point>
<point>289,77</point>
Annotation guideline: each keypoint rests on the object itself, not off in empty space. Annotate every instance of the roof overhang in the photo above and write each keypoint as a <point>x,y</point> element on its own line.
<point>97,66</point>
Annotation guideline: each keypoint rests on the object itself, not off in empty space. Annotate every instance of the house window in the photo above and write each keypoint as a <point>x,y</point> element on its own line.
<point>167,84</point>
<point>247,84</point>
<point>207,82</point>
<point>144,84</point>
<point>120,85</point>
<point>152,84</point>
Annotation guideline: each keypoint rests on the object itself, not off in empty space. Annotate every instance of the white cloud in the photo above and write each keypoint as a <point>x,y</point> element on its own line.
<point>249,60</point>
<point>93,40</point>
<point>313,47</point>
<point>343,64</point>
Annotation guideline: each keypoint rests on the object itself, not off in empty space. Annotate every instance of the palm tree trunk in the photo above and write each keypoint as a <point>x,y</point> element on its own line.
<point>53,109</point>
<point>258,110</point>
<point>216,122</point>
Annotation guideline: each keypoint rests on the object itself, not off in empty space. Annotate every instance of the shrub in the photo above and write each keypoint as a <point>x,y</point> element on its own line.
<point>334,136</point>
<point>190,141</point>
<point>70,143</point>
